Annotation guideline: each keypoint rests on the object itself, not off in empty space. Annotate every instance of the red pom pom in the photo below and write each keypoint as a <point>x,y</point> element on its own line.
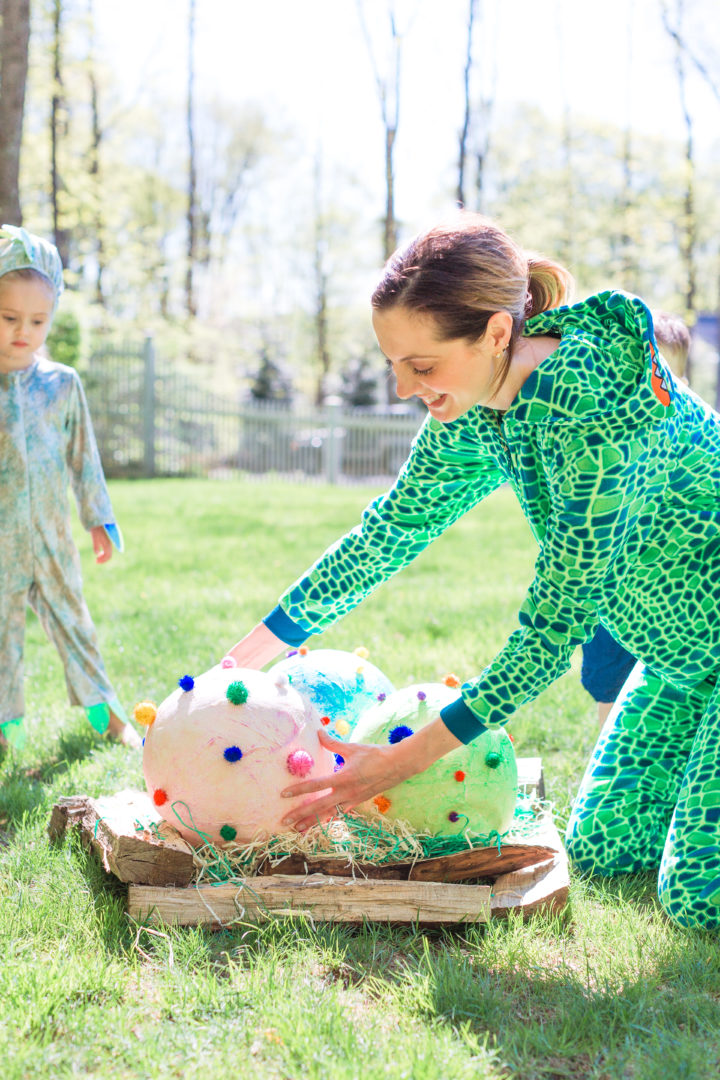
<point>159,796</point>
<point>325,720</point>
<point>459,776</point>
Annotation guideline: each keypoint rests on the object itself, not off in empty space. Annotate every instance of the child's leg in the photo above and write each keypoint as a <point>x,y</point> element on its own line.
<point>67,623</point>
<point>689,880</point>
<point>12,641</point>
<point>626,800</point>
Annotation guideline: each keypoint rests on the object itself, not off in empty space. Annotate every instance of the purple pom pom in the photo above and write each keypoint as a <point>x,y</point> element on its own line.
<point>291,652</point>
<point>421,695</point>
<point>381,697</point>
<point>453,816</point>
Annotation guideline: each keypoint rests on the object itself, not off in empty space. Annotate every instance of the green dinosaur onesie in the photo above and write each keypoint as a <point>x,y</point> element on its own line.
<point>617,469</point>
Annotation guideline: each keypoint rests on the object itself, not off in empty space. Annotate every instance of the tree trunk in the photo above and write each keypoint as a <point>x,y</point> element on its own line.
<point>321,292</point>
<point>14,38</point>
<point>94,167</point>
<point>190,303</point>
<point>58,131</point>
<point>462,150</point>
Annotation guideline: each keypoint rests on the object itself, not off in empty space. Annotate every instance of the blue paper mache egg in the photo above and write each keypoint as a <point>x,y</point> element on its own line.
<point>340,685</point>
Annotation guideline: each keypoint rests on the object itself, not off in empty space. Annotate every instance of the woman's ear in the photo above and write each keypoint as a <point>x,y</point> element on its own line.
<point>499,330</point>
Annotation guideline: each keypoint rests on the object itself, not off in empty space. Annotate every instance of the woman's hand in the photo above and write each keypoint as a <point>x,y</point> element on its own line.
<point>257,648</point>
<point>367,771</point>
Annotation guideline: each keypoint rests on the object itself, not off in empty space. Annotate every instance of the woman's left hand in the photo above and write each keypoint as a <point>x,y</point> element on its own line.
<point>367,771</point>
<point>102,544</point>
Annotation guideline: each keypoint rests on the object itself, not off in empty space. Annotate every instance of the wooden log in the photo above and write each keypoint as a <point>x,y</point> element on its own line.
<point>543,887</point>
<point>131,839</point>
<point>327,899</point>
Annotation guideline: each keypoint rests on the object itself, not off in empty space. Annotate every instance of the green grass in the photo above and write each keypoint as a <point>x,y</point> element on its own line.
<point>606,989</point>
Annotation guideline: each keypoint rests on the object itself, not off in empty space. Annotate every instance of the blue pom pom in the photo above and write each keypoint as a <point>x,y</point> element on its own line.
<point>186,682</point>
<point>399,733</point>
<point>232,753</point>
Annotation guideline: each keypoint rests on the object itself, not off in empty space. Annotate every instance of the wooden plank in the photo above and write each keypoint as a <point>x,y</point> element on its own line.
<point>155,854</point>
<point>543,887</point>
<point>325,899</point>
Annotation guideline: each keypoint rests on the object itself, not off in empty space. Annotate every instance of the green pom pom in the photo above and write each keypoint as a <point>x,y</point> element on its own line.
<point>493,759</point>
<point>228,833</point>
<point>237,692</point>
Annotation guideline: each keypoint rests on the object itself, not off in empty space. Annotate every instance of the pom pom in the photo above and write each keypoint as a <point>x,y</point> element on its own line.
<point>510,737</point>
<point>237,693</point>
<point>228,833</point>
<point>186,682</point>
<point>324,720</point>
<point>421,695</point>
<point>339,762</point>
<point>343,728</point>
<point>381,697</point>
<point>291,652</point>
<point>159,797</point>
<point>299,763</point>
<point>228,661</point>
<point>362,652</point>
<point>282,681</point>
<point>382,803</point>
<point>232,753</point>
<point>359,669</point>
<point>303,650</point>
<point>460,776</point>
<point>145,712</point>
<point>453,816</point>
<point>493,759</point>
<point>402,731</point>
<point>451,679</point>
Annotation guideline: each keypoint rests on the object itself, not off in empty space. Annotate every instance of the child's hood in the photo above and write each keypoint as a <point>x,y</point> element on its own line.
<point>606,364</point>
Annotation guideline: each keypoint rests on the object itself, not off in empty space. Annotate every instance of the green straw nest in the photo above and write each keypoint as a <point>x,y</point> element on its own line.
<point>355,841</point>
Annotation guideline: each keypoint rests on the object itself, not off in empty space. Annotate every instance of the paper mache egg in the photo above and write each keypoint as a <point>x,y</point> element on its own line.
<point>223,746</point>
<point>341,685</point>
<point>471,789</point>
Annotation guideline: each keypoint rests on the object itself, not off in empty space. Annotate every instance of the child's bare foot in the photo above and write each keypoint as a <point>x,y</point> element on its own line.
<point>123,733</point>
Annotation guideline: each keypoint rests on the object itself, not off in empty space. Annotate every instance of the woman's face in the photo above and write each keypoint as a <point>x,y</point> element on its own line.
<point>449,377</point>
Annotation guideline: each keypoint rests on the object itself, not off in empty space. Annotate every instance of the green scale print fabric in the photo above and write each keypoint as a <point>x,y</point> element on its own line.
<point>617,470</point>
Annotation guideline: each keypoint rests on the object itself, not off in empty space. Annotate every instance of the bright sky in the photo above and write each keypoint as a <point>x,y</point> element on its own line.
<point>307,62</point>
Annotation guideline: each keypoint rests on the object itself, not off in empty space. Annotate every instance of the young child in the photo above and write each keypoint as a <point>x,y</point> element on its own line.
<point>46,438</point>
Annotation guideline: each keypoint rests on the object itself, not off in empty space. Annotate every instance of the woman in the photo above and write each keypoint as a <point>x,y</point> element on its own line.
<point>617,469</point>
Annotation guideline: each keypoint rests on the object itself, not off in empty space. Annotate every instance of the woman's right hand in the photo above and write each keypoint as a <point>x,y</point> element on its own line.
<point>257,648</point>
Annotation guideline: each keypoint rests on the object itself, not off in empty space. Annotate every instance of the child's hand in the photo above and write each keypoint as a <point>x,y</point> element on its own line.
<point>102,545</point>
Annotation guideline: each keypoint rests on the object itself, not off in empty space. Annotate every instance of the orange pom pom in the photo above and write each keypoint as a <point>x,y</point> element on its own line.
<point>451,679</point>
<point>382,803</point>
<point>303,650</point>
<point>145,712</point>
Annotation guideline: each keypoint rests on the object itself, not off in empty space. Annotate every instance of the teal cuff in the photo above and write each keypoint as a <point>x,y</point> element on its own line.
<point>115,535</point>
<point>461,721</point>
<point>282,626</point>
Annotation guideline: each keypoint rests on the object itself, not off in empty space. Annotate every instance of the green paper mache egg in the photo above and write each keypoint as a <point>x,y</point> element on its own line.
<point>472,790</point>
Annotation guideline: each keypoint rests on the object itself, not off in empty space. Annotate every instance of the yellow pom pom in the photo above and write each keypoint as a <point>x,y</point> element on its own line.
<point>362,652</point>
<point>343,728</point>
<point>145,712</point>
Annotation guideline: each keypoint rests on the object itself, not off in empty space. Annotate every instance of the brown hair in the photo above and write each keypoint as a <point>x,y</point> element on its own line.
<point>463,271</point>
<point>673,337</point>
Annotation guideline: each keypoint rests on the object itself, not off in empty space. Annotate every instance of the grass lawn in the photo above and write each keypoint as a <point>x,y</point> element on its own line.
<point>609,989</point>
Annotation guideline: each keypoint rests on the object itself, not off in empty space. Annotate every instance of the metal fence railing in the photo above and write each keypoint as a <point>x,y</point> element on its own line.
<point>151,420</point>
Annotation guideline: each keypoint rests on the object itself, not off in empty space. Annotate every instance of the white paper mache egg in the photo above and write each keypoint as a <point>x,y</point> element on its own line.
<point>218,755</point>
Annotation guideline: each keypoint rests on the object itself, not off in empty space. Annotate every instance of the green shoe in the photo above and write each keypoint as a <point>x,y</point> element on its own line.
<point>14,732</point>
<point>99,716</point>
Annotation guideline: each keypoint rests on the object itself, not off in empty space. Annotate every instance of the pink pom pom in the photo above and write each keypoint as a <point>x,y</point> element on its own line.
<point>299,763</point>
<point>228,661</point>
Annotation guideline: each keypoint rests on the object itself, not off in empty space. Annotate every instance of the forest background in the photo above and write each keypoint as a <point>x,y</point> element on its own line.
<point>231,176</point>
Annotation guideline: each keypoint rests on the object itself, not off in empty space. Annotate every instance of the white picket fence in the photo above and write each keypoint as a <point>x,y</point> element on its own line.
<point>152,421</point>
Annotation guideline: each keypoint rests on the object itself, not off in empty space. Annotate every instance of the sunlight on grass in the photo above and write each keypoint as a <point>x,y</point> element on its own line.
<point>607,988</point>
